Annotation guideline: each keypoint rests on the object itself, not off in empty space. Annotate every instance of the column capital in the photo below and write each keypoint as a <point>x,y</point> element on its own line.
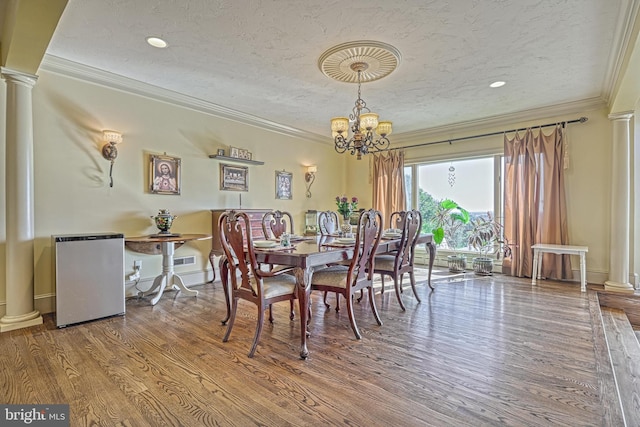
<point>623,115</point>
<point>18,77</point>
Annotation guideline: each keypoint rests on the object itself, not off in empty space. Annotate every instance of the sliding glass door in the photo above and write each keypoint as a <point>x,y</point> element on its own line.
<point>474,183</point>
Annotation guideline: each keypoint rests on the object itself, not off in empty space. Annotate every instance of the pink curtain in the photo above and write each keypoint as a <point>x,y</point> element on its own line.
<point>389,194</point>
<point>535,206</point>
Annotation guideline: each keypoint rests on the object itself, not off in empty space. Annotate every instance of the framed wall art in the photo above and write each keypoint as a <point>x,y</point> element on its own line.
<point>234,152</point>
<point>284,185</point>
<point>234,178</point>
<point>164,174</point>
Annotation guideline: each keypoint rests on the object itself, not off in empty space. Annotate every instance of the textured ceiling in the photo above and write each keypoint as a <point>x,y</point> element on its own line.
<point>261,57</point>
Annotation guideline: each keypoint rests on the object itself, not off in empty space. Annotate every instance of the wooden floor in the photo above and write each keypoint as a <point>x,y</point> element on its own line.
<point>478,351</point>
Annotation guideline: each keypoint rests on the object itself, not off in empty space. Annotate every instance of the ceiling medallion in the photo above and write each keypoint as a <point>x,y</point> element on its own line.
<point>358,62</point>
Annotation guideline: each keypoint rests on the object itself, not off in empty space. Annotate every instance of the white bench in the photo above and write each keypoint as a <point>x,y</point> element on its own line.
<point>540,248</point>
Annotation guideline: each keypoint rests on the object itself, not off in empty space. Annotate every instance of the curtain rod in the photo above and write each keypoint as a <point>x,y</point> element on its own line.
<point>566,122</point>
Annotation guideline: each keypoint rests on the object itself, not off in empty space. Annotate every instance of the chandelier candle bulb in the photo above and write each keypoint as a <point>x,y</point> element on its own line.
<point>384,128</point>
<point>340,124</point>
<point>368,121</point>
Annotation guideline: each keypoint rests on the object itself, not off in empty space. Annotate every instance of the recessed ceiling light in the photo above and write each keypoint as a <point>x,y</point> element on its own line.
<point>497,84</point>
<point>157,42</point>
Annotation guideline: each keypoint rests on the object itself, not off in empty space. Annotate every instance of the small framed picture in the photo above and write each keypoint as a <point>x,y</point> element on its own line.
<point>220,151</point>
<point>234,178</point>
<point>164,174</point>
<point>284,181</point>
<point>234,152</point>
<point>249,155</point>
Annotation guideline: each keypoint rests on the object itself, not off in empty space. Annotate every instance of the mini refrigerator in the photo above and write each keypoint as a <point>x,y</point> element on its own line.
<point>89,277</point>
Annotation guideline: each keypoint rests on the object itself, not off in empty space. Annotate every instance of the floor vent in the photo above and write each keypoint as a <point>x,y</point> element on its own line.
<point>184,260</point>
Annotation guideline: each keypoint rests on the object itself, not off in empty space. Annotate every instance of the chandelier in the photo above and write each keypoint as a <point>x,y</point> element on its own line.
<point>356,62</point>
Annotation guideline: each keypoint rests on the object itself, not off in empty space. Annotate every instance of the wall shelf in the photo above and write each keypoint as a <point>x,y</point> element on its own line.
<point>235,159</point>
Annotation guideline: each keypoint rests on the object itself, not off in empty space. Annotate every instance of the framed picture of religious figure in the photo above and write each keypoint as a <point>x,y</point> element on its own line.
<point>164,174</point>
<point>284,181</point>
<point>234,178</point>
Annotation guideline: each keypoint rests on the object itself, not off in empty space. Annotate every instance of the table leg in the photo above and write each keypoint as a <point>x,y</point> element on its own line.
<point>160,281</point>
<point>179,284</point>
<point>432,256</point>
<point>168,277</point>
<point>223,265</point>
<point>534,271</point>
<point>540,258</point>
<point>212,257</point>
<point>303,277</point>
<point>583,272</point>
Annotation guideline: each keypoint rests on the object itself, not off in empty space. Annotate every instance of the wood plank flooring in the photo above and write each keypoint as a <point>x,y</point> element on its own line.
<point>478,351</point>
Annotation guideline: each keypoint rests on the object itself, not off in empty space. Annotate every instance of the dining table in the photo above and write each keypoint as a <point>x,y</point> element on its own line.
<point>307,253</point>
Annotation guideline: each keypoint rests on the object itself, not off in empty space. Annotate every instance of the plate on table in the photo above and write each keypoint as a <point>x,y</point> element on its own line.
<point>264,244</point>
<point>346,240</point>
<point>391,235</point>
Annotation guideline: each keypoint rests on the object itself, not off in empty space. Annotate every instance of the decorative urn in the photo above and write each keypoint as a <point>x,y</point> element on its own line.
<point>164,220</point>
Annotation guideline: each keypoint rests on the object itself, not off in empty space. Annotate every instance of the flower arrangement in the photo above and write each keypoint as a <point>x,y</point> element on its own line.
<point>346,207</point>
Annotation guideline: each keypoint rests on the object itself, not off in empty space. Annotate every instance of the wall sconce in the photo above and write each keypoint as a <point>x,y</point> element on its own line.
<point>309,177</point>
<point>109,150</point>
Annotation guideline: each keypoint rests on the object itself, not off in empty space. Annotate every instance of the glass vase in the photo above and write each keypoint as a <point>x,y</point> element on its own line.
<point>345,227</point>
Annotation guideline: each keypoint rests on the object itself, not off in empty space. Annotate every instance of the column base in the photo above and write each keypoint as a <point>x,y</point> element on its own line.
<point>11,323</point>
<point>610,285</point>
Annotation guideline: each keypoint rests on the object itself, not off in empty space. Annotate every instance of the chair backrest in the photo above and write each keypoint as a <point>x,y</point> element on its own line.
<point>235,230</point>
<point>410,223</point>
<point>397,220</point>
<point>328,222</point>
<point>367,241</point>
<point>275,223</point>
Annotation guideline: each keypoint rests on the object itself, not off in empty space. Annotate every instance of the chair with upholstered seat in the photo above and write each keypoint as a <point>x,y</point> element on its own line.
<point>396,223</point>
<point>274,224</point>
<point>346,280</point>
<point>248,281</point>
<point>399,262</point>
<point>328,224</point>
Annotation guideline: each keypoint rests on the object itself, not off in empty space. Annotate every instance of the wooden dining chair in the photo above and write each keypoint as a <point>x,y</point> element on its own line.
<point>346,280</point>
<point>328,223</point>
<point>248,281</point>
<point>274,223</point>
<point>399,262</point>
<point>396,222</point>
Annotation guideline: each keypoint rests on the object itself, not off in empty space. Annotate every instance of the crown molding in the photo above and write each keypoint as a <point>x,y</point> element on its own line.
<point>57,65</point>
<point>576,107</point>
<point>624,37</point>
<point>96,76</point>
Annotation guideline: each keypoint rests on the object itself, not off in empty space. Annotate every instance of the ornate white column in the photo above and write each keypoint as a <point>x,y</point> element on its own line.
<point>20,311</point>
<point>620,183</point>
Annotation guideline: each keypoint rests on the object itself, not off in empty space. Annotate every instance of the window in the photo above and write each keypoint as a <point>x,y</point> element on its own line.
<point>475,184</point>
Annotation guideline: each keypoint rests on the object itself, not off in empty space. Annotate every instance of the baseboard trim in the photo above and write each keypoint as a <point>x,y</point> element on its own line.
<point>46,303</point>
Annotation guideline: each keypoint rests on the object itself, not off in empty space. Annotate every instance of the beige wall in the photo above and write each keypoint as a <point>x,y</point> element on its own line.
<point>72,193</point>
<point>587,179</point>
